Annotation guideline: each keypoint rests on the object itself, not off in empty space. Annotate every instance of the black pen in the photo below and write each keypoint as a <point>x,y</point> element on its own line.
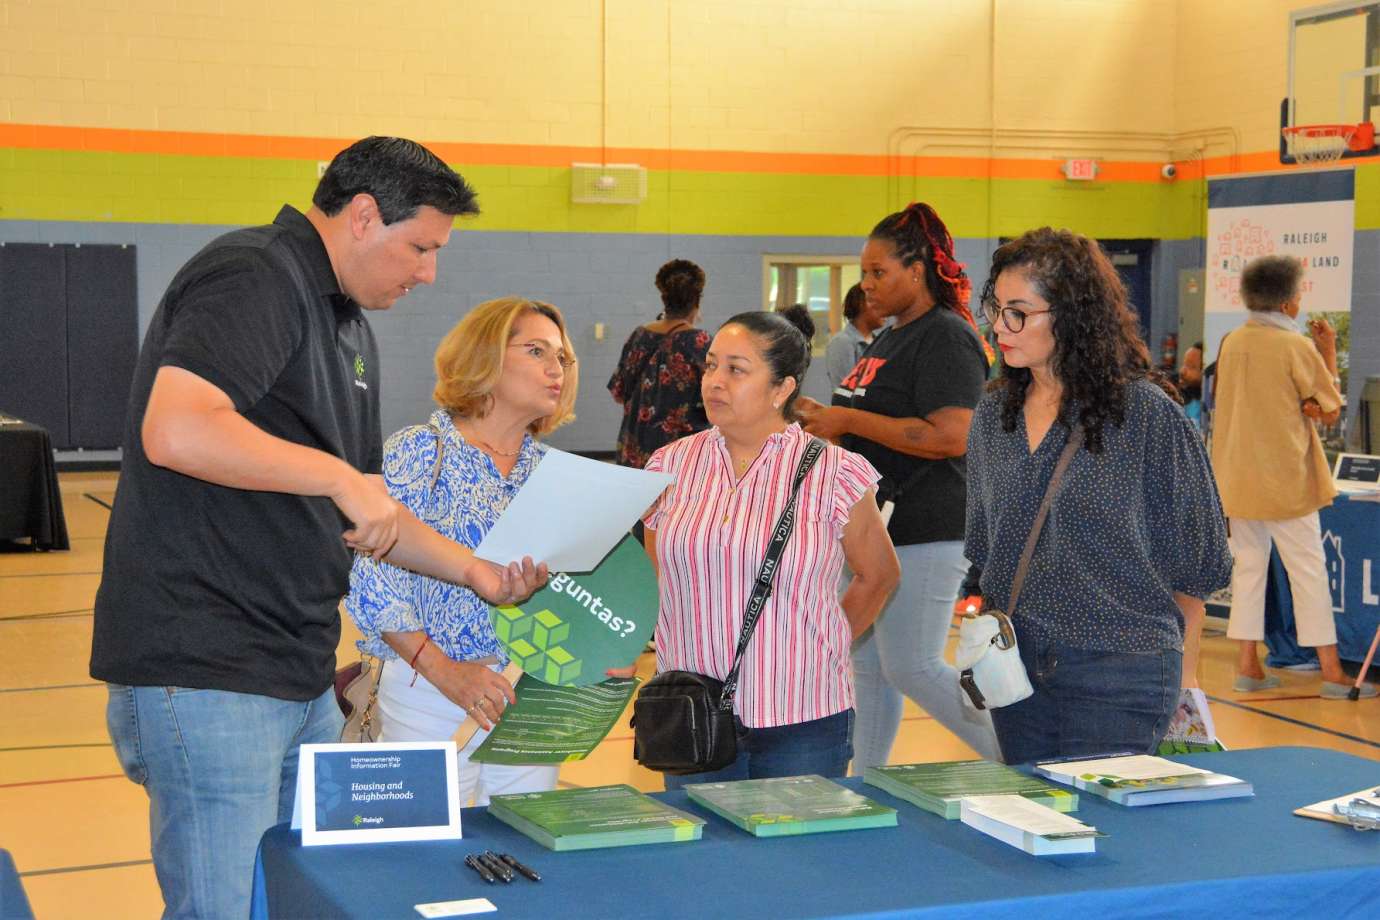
<point>479,867</point>
<point>520,867</point>
<point>496,866</point>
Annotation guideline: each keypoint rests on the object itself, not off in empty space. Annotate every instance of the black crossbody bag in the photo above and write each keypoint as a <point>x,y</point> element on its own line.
<point>682,721</point>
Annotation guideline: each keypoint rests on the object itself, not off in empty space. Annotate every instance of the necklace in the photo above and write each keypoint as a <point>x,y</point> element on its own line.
<point>494,450</point>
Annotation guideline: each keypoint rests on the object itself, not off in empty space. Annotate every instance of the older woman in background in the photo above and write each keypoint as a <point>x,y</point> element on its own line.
<point>505,376</point>
<point>708,534</point>
<point>1135,536</point>
<point>1271,385</point>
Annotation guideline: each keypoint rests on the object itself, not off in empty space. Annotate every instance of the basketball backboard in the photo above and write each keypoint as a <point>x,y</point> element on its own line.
<point>1334,67</point>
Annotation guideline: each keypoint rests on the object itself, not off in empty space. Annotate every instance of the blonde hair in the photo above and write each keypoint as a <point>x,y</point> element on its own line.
<point>469,361</point>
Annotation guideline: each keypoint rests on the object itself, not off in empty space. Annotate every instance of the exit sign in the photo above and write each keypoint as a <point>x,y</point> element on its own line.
<point>1080,170</point>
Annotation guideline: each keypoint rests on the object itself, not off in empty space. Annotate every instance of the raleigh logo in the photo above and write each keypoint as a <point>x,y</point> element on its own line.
<point>1336,570</point>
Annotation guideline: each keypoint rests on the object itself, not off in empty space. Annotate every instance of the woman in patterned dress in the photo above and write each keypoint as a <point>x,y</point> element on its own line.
<point>658,377</point>
<point>506,375</point>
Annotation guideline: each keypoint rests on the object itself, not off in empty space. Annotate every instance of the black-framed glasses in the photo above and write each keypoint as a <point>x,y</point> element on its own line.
<point>1011,317</point>
<point>545,355</point>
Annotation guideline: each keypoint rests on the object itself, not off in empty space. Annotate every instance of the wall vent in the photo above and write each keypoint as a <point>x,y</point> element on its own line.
<point>612,183</point>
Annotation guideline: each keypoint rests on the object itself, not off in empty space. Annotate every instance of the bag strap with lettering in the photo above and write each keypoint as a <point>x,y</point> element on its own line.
<point>1065,458</point>
<point>761,586</point>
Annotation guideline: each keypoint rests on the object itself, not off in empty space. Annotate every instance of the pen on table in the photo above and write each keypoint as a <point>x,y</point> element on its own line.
<point>496,866</point>
<point>479,867</point>
<point>512,861</point>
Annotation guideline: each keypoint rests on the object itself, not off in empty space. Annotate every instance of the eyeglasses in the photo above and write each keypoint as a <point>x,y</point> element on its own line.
<point>1013,318</point>
<point>543,354</point>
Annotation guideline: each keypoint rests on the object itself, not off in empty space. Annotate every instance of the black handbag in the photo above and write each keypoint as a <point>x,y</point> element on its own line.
<point>682,721</point>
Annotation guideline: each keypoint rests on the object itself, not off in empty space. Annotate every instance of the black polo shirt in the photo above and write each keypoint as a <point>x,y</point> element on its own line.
<point>212,587</point>
<point>930,363</point>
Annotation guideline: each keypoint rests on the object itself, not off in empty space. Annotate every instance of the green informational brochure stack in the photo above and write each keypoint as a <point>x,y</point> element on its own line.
<point>600,816</point>
<point>791,805</point>
<point>940,787</point>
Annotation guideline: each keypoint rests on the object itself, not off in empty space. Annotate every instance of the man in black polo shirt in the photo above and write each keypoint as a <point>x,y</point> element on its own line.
<point>252,445</point>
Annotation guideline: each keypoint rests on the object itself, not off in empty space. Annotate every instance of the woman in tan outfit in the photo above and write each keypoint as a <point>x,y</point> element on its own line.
<point>1273,477</point>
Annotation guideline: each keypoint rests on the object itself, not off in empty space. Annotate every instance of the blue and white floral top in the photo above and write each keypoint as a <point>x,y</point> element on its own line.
<point>466,501</point>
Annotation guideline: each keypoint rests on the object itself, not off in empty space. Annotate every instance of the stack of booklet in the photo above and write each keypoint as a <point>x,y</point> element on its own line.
<point>791,805</point>
<point>1027,825</point>
<point>1142,779</point>
<point>939,787</point>
<point>600,816</point>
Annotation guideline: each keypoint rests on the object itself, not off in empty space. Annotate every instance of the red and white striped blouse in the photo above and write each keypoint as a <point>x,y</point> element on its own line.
<point>711,536</point>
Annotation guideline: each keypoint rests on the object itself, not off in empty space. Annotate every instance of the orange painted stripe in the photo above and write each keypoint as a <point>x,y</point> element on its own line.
<point>190,143</point>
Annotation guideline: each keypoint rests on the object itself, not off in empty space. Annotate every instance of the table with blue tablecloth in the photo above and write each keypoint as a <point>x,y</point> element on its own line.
<point>1231,858</point>
<point>1351,543</point>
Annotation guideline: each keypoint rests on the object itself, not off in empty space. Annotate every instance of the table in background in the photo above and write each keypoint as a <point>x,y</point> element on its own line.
<point>30,503</point>
<point>1231,858</point>
<point>1351,543</point>
<point>14,905</point>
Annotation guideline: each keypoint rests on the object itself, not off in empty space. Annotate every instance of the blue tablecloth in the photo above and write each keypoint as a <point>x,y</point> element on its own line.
<point>1233,858</point>
<point>1351,542</point>
<point>14,905</point>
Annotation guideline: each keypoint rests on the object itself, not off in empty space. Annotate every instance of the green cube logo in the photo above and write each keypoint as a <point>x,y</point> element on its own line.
<point>549,630</point>
<point>512,624</point>
<point>561,666</point>
<point>529,657</point>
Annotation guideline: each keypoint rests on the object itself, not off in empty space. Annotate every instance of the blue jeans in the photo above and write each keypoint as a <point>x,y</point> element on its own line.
<point>220,768</point>
<point>1086,702</point>
<point>903,653</point>
<point>820,746</point>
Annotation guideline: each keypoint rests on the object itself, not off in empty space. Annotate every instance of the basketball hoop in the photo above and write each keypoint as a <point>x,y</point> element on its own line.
<point>1327,143</point>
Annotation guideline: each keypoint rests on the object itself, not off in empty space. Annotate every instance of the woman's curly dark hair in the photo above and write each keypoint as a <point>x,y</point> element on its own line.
<point>1098,350</point>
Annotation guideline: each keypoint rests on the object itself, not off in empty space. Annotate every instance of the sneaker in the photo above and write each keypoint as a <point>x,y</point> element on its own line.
<point>1313,665</point>
<point>1244,684</point>
<point>1331,691</point>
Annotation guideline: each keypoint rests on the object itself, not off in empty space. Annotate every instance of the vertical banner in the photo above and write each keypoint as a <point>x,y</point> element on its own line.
<point>1308,215</point>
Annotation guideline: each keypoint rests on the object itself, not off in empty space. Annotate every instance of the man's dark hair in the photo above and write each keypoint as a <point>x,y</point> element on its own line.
<point>401,175</point>
<point>853,302</point>
<point>1270,282</point>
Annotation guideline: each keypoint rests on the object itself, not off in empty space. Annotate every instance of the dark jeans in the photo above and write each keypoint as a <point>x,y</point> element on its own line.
<point>1086,702</point>
<point>821,746</point>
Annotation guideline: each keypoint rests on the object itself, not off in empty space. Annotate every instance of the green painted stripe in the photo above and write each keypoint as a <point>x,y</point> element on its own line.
<point>169,189</point>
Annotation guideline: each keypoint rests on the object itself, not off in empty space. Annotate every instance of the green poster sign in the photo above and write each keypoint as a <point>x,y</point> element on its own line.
<point>578,626</point>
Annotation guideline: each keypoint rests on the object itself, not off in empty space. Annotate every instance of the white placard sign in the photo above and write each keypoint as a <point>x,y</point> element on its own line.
<point>370,793</point>
<point>1321,234</point>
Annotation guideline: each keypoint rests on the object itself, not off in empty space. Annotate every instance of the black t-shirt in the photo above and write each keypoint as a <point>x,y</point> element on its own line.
<point>212,587</point>
<point>930,363</point>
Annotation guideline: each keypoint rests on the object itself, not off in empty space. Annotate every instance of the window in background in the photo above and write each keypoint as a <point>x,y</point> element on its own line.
<point>818,282</point>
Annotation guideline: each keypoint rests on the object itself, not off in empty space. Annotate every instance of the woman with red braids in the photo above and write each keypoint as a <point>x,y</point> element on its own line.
<point>906,408</point>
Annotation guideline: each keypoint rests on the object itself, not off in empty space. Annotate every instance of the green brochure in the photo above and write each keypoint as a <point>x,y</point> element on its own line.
<point>600,816</point>
<point>555,724</point>
<point>940,787</point>
<point>791,805</point>
<point>578,626</point>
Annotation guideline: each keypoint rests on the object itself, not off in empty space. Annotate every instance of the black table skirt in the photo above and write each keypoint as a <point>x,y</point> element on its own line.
<point>30,502</point>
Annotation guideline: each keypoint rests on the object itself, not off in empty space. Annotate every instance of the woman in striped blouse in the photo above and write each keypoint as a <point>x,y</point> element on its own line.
<point>707,536</point>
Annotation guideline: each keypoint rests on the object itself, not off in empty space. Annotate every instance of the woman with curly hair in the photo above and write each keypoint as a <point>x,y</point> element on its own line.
<point>657,381</point>
<point>1135,535</point>
<point>906,407</point>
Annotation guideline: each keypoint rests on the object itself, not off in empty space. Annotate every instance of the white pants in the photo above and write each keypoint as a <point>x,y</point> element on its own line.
<point>422,713</point>
<point>1300,548</point>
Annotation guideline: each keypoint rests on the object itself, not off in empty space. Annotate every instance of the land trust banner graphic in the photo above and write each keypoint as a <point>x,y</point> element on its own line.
<point>580,625</point>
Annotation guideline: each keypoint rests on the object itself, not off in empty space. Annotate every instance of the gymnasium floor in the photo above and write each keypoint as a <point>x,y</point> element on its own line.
<point>78,829</point>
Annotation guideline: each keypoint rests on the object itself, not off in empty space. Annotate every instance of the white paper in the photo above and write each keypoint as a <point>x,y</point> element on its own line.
<point>1032,817</point>
<point>456,908</point>
<point>571,512</point>
<point>1135,766</point>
